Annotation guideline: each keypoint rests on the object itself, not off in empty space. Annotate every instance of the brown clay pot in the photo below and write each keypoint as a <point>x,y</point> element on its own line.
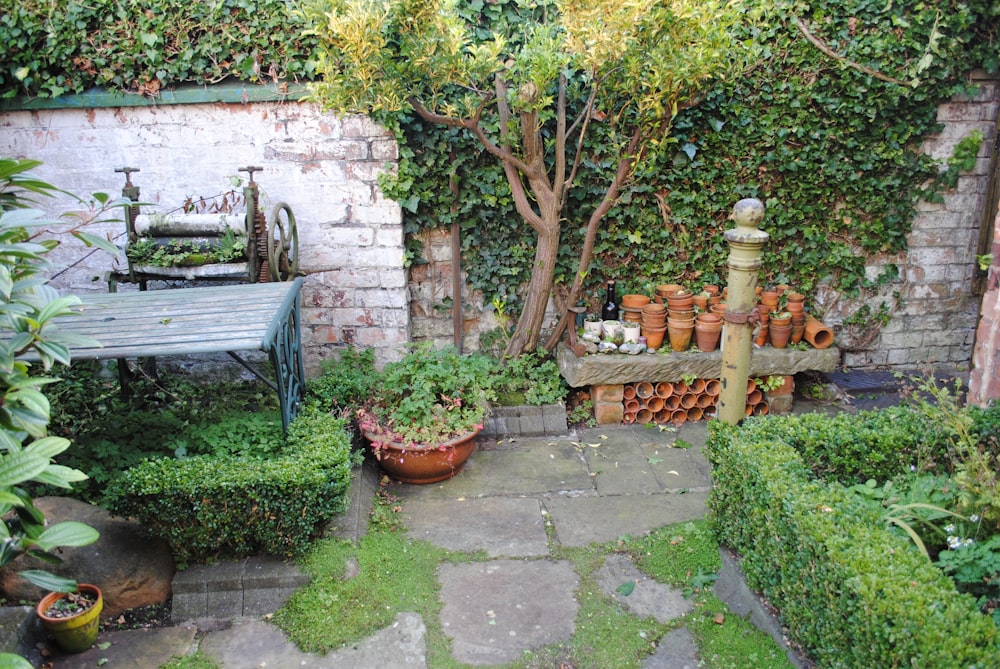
<point>817,334</point>
<point>644,390</point>
<point>634,301</point>
<point>700,301</point>
<point>428,464</point>
<point>769,297</point>
<point>779,334</point>
<point>680,336</point>
<point>798,331</point>
<point>707,336</point>
<point>781,321</point>
<point>654,335</point>
<point>664,389</point>
<point>710,288</point>
<point>665,290</point>
<point>681,300</point>
<point>713,387</point>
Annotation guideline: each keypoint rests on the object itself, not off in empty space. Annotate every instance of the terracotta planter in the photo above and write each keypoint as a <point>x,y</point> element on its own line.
<point>631,315</point>
<point>798,331</point>
<point>769,297</point>
<point>700,301</point>
<point>779,335</point>
<point>654,336</point>
<point>710,288</point>
<point>634,301</point>
<point>665,290</point>
<point>781,321</point>
<point>423,464</point>
<point>680,301</point>
<point>707,336</point>
<point>644,390</point>
<point>679,416</point>
<point>817,334</point>
<point>713,387</point>
<point>664,389</point>
<point>680,336</point>
<point>78,632</point>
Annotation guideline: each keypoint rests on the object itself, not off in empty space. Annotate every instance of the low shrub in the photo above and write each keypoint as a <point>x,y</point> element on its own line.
<point>853,594</point>
<point>209,507</point>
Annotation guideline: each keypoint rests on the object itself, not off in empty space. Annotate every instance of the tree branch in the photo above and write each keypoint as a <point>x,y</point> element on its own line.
<point>819,44</point>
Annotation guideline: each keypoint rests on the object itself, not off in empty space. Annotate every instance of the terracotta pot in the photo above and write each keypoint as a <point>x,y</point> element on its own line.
<point>632,406</point>
<point>798,331</point>
<point>695,413</point>
<point>634,301</point>
<point>672,403</point>
<point>817,334</point>
<point>654,403</point>
<point>779,335</point>
<point>628,418</point>
<point>665,290</point>
<point>754,396</point>
<point>705,400</point>
<point>664,389</point>
<point>761,409</point>
<point>644,390</point>
<point>785,319</point>
<point>710,288</point>
<point>679,416</point>
<point>713,387</point>
<point>680,336</point>
<point>654,336</point>
<point>78,632</point>
<point>715,299</point>
<point>719,309</point>
<point>423,464</point>
<point>707,336</point>
<point>680,300</point>
<point>631,314</point>
<point>701,301</point>
<point>708,318</point>
<point>628,392</point>
<point>689,400</point>
<point>663,416</point>
<point>643,416</point>
<point>769,297</point>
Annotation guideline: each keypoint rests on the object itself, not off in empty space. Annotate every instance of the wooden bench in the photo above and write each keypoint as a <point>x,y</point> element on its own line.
<point>606,375</point>
<point>191,321</point>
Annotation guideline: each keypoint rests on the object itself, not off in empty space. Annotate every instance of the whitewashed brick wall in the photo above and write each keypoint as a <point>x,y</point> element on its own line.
<point>326,168</point>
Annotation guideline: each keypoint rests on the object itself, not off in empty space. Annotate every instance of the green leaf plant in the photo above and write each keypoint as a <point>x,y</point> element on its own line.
<point>531,87</point>
<point>30,345</point>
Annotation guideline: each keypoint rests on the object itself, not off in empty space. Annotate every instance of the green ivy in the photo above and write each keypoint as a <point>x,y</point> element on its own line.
<point>832,150</point>
<point>53,48</point>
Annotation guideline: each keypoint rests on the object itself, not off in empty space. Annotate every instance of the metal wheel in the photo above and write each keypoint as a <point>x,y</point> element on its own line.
<point>282,244</point>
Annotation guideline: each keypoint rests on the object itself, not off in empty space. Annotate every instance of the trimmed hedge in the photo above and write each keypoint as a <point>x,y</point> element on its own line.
<point>853,594</point>
<point>222,507</point>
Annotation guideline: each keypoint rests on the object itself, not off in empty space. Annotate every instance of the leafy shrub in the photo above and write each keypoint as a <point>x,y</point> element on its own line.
<point>531,378</point>
<point>208,507</point>
<point>853,594</point>
<point>347,381</point>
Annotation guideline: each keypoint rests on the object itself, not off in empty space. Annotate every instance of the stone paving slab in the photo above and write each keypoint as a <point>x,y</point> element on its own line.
<point>133,649</point>
<point>676,650</point>
<point>502,526</point>
<point>648,598</point>
<point>580,521</point>
<point>249,644</point>
<point>494,611</point>
<point>527,467</point>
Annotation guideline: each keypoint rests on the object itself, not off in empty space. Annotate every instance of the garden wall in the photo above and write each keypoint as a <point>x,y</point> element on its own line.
<point>326,168</point>
<point>936,322</point>
<point>357,289</point>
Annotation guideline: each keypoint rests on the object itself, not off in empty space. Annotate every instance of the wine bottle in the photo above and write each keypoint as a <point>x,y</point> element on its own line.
<point>609,312</point>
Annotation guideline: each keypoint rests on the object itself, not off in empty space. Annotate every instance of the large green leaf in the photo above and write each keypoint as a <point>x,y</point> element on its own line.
<point>20,467</point>
<point>47,581</point>
<point>48,447</point>
<point>11,661</point>
<point>67,533</point>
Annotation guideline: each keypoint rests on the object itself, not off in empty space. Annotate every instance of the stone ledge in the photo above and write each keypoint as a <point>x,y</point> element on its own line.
<point>592,370</point>
<point>526,421</point>
<point>251,587</point>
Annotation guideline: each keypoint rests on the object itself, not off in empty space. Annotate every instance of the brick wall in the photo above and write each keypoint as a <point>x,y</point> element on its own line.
<point>937,320</point>
<point>984,381</point>
<point>326,168</point>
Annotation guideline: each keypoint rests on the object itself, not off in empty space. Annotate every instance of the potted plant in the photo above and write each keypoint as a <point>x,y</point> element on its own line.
<point>72,618</point>
<point>425,412</point>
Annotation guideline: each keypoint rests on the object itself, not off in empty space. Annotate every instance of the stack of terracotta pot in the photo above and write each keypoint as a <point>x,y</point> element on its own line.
<point>631,307</point>
<point>679,402</point>
<point>654,324</point>
<point>680,319</point>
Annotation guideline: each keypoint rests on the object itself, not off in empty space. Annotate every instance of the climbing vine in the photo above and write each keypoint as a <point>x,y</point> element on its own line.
<point>826,130</point>
<point>828,138</point>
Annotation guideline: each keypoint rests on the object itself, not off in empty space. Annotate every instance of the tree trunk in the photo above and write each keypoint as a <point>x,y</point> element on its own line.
<point>536,299</point>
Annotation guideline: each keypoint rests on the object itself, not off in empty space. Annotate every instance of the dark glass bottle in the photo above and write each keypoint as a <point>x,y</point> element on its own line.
<point>609,312</point>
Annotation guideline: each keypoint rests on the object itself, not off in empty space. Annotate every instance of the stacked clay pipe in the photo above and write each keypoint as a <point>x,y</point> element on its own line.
<point>680,402</point>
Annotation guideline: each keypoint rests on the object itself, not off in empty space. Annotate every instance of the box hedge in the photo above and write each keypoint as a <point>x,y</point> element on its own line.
<point>853,594</point>
<point>210,507</point>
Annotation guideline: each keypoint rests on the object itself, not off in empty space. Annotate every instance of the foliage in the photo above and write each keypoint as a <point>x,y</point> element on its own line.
<point>208,507</point>
<point>30,346</point>
<point>531,82</point>
<point>532,378</point>
<point>346,382</point>
<point>69,47</point>
<point>846,588</point>
<point>166,416</point>
<point>185,252</point>
<point>428,397</point>
<point>832,151</point>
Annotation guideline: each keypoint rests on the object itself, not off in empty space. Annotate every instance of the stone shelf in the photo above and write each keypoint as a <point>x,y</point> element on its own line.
<point>617,369</point>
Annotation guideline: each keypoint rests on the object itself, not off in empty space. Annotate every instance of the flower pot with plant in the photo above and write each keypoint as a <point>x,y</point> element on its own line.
<point>72,618</point>
<point>425,412</point>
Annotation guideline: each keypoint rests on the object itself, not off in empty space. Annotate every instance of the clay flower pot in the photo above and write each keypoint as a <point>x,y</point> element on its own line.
<point>779,334</point>
<point>74,632</point>
<point>423,464</point>
<point>634,301</point>
<point>817,334</point>
<point>680,301</point>
<point>680,336</point>
<point>654,336</point>
<point>707,336</point>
